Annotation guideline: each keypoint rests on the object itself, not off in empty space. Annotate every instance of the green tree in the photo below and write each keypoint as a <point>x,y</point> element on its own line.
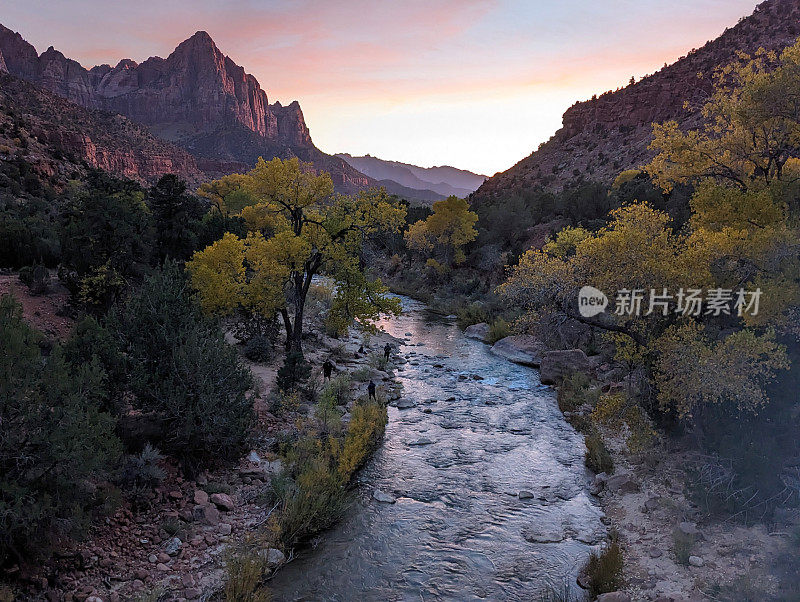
<point>176,218</point>
<point>182,373</point>
<point>106,239</point>
<point>54,438</point>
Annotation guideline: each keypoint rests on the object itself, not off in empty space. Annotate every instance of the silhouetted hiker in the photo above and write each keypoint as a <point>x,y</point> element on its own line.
<point>387,351</point>
<point>327,368</point>
<point>371,390</point>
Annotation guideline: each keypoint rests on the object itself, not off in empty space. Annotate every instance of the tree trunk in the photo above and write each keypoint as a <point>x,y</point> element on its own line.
<point>287,324</point>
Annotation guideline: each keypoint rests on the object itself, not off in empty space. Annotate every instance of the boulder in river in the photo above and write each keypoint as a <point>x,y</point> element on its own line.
<point>404,404</point>
<point>538,534</point>
<point>383,497</point>
<point>555,365</point>
<point>477,331</point>
<point>522,349</point>
<point>420,441</point>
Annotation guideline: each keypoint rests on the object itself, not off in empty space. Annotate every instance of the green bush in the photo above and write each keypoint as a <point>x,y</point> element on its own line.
<point>475,313</point>
<point>36,278</point>
<point>183,374</point>
<point>258,349</point>
<point>498,329</point>
<point>604,569</point>
<point>90,342</point>
<point>295,370</point>
<point>598,459</point>
<point>54,437</point>
<point>682,544</point>
<point>337,391</point>
<point>575,391</point>
<point>141,474</point>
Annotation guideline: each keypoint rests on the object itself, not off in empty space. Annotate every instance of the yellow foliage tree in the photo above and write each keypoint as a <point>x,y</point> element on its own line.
<point>445,232</point>
<point>299,229</point>
<point>742,233</point>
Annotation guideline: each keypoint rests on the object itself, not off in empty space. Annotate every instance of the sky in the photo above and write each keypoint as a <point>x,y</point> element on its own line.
<point>477,84</point>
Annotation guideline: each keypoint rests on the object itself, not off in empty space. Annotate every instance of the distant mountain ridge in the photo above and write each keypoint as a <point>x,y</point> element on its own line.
<point>610,133</point>
<point>443,180</point>
<point>197,98</point>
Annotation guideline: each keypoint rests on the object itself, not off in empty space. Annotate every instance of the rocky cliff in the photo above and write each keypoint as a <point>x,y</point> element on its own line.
<point>197,98</point>
<point>609,133</point>
<point>59,138</point>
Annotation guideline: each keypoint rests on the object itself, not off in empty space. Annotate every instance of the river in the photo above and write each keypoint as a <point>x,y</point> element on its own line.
<point>483,430</point>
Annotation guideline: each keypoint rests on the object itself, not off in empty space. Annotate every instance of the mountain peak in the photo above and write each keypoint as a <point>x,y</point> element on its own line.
<point>200,39</point>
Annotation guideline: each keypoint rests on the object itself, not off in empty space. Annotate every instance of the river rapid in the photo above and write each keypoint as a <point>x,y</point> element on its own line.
<point>483,430</point>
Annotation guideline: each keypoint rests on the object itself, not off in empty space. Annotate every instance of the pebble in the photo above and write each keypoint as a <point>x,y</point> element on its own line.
<point>696,561</point>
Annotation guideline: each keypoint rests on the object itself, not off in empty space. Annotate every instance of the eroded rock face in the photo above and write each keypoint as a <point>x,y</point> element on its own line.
<point>104,140</point>
<point>197,98</point>
<point>522,349</point>
<point>555,365</point>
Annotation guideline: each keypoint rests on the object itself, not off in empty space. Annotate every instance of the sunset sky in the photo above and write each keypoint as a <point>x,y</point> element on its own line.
<point>477,84</point>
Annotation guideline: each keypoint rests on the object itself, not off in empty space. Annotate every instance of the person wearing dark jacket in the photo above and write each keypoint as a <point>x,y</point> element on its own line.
<point>371,390</point>
<point>327,369</point>
<point>387,351</point>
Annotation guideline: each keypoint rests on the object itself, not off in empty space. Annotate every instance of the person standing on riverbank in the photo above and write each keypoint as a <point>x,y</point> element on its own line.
<point>327,369</point>
<point>371,391</point>
<point>387,351</point>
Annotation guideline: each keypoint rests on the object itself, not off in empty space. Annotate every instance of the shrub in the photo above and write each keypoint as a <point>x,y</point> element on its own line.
<point>597,457</point>
<point>682,544</point>
<point>475,313</point>
<point>378,361</point>
<point>258,349</point>
<point>498,329</point>
<point>617,411</point>
<point>337,391</point>
<point>183,374</point>
<point>245,576</point>
<point>295,370</point>
<point>364,432</point>
<point>36,278</point>
<point>604,569</point>
<point>322,469</point>
<point>89,342</point>
<point>313,502</point>
<point>141,474</point>
<point>54,437</point>
<point>575,391</point>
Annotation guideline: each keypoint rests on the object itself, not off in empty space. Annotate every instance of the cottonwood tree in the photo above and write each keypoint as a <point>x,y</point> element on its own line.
<point>741,234</point>
<point>298,229</point>
<point>444,233</point>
